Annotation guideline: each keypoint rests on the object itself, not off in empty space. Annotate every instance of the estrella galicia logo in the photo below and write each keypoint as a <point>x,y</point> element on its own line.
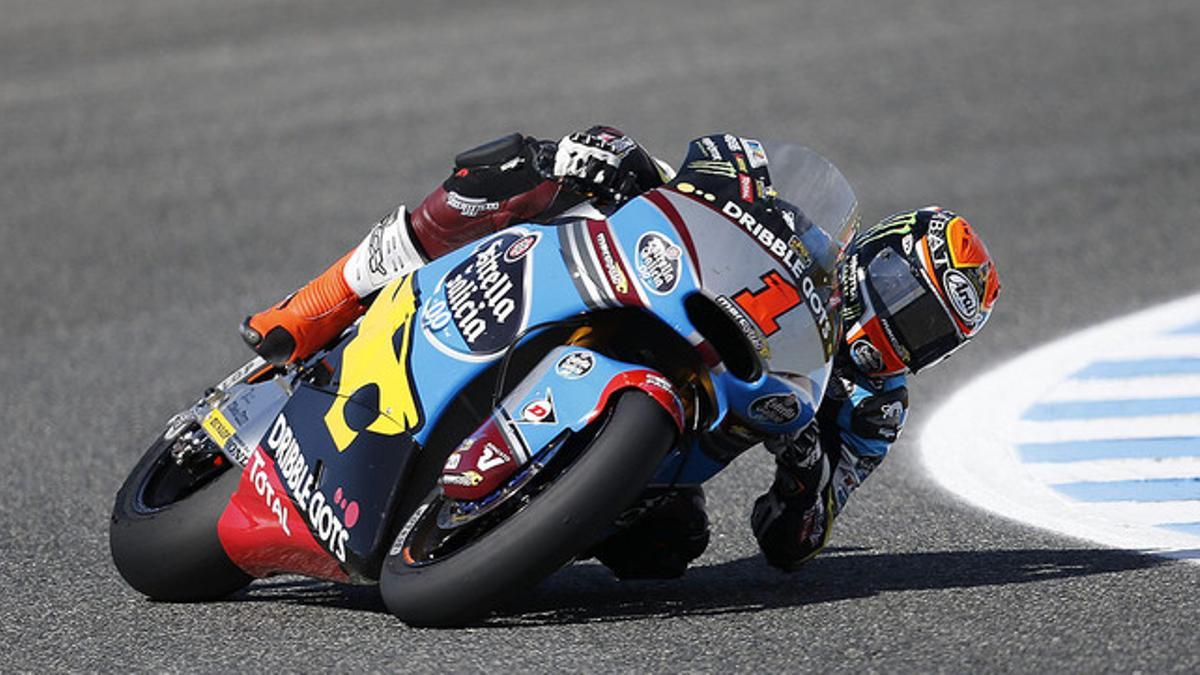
<point>775,408</point>
<point>483,301</point>
<point>658,262</point>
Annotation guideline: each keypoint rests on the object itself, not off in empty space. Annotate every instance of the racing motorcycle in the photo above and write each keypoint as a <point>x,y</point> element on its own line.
<point>493,414</point>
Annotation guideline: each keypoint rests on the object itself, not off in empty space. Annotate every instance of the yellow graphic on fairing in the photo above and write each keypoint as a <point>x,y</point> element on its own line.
<point>378,355</point>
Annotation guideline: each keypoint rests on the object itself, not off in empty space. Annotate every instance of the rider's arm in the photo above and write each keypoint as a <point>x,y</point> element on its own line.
<point>816,472</point>
<point>519,178</point>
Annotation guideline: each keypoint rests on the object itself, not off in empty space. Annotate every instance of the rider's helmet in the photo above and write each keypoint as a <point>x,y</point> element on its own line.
<point>916,287</point>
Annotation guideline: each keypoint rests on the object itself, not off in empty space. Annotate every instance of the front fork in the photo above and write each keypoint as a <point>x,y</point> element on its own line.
<point>565,392</point>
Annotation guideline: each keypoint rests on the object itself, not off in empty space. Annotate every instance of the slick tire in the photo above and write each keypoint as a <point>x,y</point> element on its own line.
<point>171,552</point>
<point>562,520</point>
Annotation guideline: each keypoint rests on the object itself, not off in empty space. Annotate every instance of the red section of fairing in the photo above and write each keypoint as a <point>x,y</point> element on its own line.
<point>652,383</point>
<point>254,535</point>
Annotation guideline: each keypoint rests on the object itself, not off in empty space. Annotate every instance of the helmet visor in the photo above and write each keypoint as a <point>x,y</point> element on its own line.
<point>918,319</point>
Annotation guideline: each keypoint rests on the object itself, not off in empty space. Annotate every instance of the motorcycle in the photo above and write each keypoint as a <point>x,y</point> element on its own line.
<point>493,414</point>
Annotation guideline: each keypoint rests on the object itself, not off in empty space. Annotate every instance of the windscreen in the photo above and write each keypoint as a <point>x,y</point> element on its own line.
<point>805,178</point>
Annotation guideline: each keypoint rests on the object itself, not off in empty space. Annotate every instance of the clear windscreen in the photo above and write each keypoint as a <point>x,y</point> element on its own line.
<point>805,178</point>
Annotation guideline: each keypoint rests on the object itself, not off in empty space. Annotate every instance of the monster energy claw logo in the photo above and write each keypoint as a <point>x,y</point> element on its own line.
<point>900,223</point>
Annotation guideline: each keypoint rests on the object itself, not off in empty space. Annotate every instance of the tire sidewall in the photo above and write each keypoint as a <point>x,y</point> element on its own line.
<point>173,553</point>
<point>532,543</point>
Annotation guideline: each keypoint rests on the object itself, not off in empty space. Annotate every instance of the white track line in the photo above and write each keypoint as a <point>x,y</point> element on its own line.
<point>969,445</point>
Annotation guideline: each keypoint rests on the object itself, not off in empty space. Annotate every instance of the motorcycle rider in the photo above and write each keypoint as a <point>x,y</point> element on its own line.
<point>915,287</point>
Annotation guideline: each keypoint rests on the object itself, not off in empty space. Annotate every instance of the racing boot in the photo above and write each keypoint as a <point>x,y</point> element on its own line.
<point>309,318</point>
<point>657,537</point>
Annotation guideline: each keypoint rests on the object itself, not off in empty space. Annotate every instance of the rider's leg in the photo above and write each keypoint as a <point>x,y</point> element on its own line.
<point>658,536</point>
<point>492,186</point>
<point>322,308</point>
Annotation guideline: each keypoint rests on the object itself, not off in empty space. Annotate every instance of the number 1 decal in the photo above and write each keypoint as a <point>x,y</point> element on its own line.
<point>769,303</point>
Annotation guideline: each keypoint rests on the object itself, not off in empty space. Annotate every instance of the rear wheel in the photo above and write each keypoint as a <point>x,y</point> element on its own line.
<point>435,577</point>
<point>163,533</point>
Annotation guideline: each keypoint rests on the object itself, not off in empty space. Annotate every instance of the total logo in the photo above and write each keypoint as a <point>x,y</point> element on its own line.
<point>316,507</point>
<point>262,485</point>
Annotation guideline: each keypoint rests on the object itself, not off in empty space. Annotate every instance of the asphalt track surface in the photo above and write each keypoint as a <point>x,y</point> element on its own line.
<point>167,167</point>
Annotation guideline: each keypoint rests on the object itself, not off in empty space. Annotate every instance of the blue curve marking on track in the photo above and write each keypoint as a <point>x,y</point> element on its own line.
<point>1190,329</point>
<point>1110,448</point>
<point>1086,410</point>
<point>1149,490</point>
<point>1150,367</point>
<point>1186,528</point>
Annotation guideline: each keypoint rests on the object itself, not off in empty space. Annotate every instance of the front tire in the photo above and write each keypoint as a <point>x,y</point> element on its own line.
<point>559,522</point>
<point>164,542</point>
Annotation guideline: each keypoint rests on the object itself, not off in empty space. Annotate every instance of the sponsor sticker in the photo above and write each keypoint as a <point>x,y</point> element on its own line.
<point>722,169</point>
<point>470,207</point>
<point>483,298</point>
<point>660,382</point>
<point>261,481</point>
<point>398,545</point>
<point>866,356</point>
<point>575,365</point>
<point>465,479</point>
<point>520,247</point>
<point>218,428</point>
<point>242,373</point>
<point>775,408</point>
<point>751,331</point>
<point>755,152</point>
<point>539,411</point>
<point>963,295</point>
<point>746,187</point>
<point>316,507</point>
<point>608,260</point>
<point>658,262</point>
<point>491,457</point>
<point>768,239</point>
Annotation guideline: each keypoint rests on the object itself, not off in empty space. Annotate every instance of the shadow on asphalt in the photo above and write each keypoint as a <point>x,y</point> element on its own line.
<point>587,592</point>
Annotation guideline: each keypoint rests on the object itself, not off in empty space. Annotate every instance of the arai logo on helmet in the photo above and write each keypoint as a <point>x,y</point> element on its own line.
<point>866,356</point>
<point>963,295</point>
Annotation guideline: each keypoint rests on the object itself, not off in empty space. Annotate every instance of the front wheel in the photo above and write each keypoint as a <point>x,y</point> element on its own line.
<point>427,587</point>
<point>163,533</point>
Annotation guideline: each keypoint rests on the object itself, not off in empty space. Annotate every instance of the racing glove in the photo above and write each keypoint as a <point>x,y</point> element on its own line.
<point>858,421</point>
<point>604,164</point>
<point>791,521</point>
